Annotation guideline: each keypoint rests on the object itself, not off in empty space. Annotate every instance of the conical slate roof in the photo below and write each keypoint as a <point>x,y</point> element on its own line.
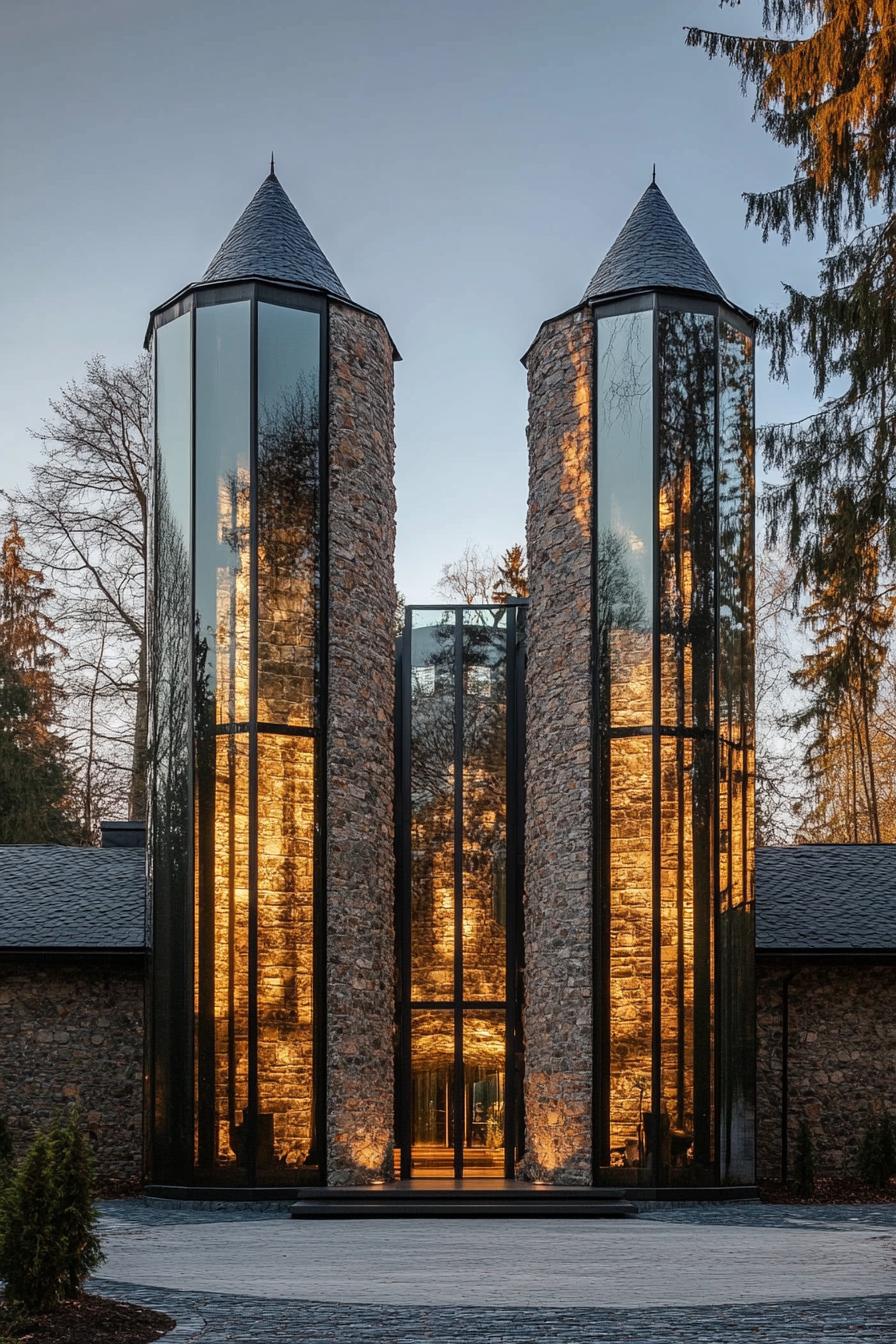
<point>271,240</point>
<point>653,251</point>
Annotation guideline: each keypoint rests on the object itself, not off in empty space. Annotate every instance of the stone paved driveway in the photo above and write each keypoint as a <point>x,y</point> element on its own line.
<point>773,1275</point>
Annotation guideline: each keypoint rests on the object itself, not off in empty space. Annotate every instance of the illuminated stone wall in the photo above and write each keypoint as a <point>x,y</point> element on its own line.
<point>557,1013</point>
<point>360,890</point>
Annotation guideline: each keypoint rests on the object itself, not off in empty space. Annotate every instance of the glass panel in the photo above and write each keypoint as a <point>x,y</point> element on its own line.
<point>625,518</point>
<point>736,490</point>
<point>288,569</point>
<point>628,827</point>
<point>172,753</point>
<point>686,780</point>
<point>432,806</point>
<point>222,512</point>
<point>432,1091</point>
<point>285,947</point>
<point>736,640</point>
<point>221,702</point>
<point>686,516</point>
<point>484,1066</point>
<point>222,955</point>
<point>485,805</point>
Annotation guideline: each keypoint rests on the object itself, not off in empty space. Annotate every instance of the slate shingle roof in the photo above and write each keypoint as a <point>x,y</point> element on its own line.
<point>822,898</point>
<point>271,240</point>
<point>653,251</point>
<point>60,896</point>
<point>832,898</point>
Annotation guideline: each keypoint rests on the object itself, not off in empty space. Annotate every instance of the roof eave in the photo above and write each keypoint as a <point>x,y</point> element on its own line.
<point>81,952</point>
<point>827,954</point>
<point>264,280</point>
<point>620,295</point>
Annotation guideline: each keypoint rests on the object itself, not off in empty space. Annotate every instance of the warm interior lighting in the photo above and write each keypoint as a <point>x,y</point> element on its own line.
<point>445,904</point>
<point>661,621</point>
<point>255,770</point>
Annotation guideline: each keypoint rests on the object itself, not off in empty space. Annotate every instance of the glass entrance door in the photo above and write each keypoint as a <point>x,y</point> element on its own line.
<point>459,883</point>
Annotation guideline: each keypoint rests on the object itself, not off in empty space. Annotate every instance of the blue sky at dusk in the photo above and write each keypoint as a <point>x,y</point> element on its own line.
<point>464,166</point>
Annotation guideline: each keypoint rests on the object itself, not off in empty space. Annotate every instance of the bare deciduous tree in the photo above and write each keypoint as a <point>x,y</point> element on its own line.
<point>85,514</point>
<point>479,576</point>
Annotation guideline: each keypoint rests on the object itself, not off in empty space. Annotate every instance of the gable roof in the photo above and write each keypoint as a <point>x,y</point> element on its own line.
<point>653,251</point>
<point>826,898</point>
<point>62,897</point>
<point>271,241</point>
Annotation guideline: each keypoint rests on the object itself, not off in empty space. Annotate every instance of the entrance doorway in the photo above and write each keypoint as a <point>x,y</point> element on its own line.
<point>459,885</point>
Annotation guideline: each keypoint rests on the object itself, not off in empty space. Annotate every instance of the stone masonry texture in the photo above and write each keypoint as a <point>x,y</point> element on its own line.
<point>360,783</point>
<point>557,900</point>
<point>842,1045</point>
<point>73,1033</point>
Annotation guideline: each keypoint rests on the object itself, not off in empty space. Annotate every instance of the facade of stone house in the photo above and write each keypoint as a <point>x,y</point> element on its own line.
<point>544,978</point>
<point>72,989</point>
<point>494,921</point>
<point>825,1001</point>
<point>73,972</point>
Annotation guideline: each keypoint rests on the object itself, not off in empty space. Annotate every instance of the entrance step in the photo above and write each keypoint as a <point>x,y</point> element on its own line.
<point>450,1200</point>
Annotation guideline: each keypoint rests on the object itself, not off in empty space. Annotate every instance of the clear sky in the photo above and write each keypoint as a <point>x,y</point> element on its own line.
<point>464,164</point>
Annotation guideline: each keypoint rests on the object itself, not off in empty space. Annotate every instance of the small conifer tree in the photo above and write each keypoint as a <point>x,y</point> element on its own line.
<point>7,1157</point>
<point>31,1261</point>
<point>804,1162</point>
<point>74,1210</point>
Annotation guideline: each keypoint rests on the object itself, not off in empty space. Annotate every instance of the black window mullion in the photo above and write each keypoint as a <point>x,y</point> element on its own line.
<point>318,1151</point>
<point>511,741</point>
<point>458,1099</point>
<point>404,889</point>
<point>251,1119</point>
<point>656,780</point>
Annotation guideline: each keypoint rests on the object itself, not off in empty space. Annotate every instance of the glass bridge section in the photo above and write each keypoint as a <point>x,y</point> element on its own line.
<point>459,888</point>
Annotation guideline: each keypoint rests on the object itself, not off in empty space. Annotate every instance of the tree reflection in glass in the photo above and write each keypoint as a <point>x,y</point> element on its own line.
<point>171,746</point>
<point>686,536</point>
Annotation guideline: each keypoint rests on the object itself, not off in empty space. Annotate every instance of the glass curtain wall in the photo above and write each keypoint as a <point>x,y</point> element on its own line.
<point>661,541</point>
<point>457,918</point>
<point>736,755</point>
<point>246,667</point>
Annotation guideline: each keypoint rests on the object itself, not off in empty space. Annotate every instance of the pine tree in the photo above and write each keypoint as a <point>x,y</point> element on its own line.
<point>35,788</point>
<point>7,1156</point>
<point>849,620</point>
<point>512,575</point>
<point>824,75</point>
<point>31,1257</point>
<point>74,1209</point>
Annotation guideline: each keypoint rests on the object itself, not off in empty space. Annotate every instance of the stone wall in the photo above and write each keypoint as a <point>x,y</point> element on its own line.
<point>73,1032</point>
<point>842,1050</point>
<point>360,763</point>
<point>557,900</point>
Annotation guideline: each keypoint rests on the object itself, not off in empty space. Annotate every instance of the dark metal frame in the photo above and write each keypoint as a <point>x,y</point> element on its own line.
<point>515,612</point>
<point>186,1169</point>
<point>654,302</point>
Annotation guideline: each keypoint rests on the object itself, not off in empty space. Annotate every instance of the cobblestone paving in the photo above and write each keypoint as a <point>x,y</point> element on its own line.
<point>249,1320</point>
<point>219,1319</point>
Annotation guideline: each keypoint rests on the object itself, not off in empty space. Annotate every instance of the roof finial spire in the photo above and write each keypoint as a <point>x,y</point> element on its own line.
<point>654,170</point>
<point>272,163</point>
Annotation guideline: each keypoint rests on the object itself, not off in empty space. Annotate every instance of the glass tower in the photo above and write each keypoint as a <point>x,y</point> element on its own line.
<point>673,728</point>
<point>238,688</point>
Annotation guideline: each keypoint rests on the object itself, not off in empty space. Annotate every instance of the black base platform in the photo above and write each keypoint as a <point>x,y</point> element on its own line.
<point>450,1199</point>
